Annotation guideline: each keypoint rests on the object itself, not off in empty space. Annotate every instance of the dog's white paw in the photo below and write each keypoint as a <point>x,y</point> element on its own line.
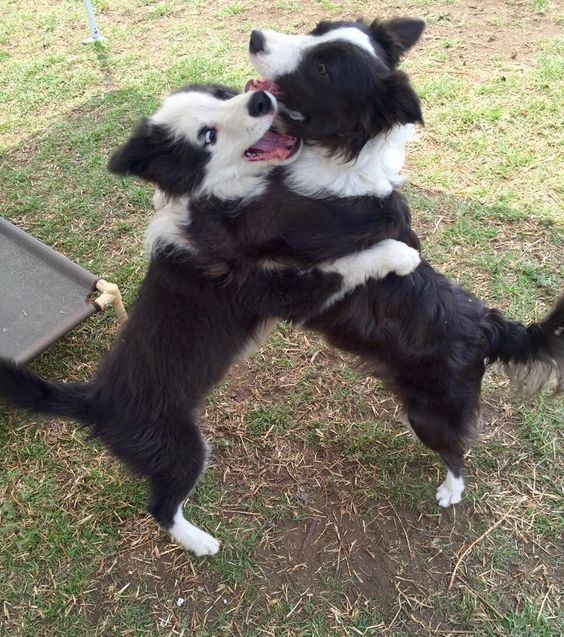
<point>450,491</point>
<point>445,496</point>
<point>203,544</point>
<point>192,538</point>
<point>406,260</point>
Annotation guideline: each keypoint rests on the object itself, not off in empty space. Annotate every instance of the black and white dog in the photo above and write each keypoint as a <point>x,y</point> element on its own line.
<point>431,341</point>
<point>208,147</point>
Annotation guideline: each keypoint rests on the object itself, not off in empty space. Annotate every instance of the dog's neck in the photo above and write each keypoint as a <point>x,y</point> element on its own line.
<point>234,184</point>
<point>171,216</point>
<point>375,172</point>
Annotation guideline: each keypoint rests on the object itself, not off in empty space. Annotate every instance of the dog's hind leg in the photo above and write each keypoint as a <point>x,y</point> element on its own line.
<point>167,499</point>
<point>450,491</point>
<point>446,432</point>
<point>169,489</point>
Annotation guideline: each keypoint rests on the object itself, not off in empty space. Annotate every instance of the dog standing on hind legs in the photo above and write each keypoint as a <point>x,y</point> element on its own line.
<point>342,92</point>
<point>194,317</point>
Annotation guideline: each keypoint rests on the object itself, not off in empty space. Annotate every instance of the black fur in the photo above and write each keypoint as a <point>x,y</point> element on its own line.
<point>360,96</point>
<point>154,154</point>
<point>184,331</point>
<point>430,341</point>
<point>396,36</point>
<point>283,225</point>
<point>219,91</point>
<point>427,338</point>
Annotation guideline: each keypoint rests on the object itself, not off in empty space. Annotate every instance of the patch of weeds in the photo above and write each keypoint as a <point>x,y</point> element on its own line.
<point>506,550</point>
<point>549,524</point>
<point>101,5</point>
<point>288,5</point>
<point>273,418</point>
<point>133,616</point>
<point>540,6</point>
<point>161,10</point>
<point>541,427</point>
<point>234,9</point>
<point>526,622</point>
<point>328,5</point>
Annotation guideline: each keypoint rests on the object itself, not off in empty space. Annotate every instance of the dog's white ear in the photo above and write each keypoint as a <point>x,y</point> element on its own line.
<point>152,154</point>
<point>397,35</point>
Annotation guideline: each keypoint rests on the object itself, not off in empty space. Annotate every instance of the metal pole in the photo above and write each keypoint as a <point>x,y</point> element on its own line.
<point>95,35</point>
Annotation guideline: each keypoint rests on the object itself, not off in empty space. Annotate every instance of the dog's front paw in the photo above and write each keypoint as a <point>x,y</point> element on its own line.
<point>406,260</point>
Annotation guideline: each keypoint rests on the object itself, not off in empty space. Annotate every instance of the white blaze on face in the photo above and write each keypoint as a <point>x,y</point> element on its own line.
<point>227,174</point>
<point>284,52</point>
<point>186,114</point>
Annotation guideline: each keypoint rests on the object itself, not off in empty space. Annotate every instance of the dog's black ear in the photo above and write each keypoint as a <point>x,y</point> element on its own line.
<point>134,157</point>
<point>407,31</point>
<point>153,154</point>
<point>397,35</point>
<point>402,105</point>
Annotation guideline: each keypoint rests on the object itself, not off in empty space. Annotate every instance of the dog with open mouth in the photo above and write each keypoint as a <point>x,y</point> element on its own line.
<point>342,93</point>
<point>195,314</point>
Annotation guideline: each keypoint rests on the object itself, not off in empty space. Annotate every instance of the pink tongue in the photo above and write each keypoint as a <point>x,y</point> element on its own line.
<point>262,85</point>
<point>271,141</point>
<point>275,144</point>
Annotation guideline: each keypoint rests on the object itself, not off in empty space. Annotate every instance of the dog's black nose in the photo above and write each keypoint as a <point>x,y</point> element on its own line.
<point>257,41</point>
<point>260,104</point>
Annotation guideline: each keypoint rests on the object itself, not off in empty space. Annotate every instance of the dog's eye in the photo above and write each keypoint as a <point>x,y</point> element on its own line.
<point>321,69</point>
<point>210,136</point>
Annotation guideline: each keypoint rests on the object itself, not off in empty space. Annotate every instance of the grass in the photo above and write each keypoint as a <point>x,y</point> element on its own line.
<point>322,501</point>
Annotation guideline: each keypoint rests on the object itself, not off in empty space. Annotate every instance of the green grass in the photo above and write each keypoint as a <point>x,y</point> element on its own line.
<point>234,9</point>
<point>299,438</point>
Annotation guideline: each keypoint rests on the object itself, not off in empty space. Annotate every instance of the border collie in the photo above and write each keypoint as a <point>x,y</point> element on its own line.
<point>193,317</point>
<point>430,341</point>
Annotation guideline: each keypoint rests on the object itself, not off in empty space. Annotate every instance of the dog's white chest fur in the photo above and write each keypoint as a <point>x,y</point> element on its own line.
<point>376,171</point>
<point>166,225</point>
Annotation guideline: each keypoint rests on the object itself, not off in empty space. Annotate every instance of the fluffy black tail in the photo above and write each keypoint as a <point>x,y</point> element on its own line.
<point>532,355</point>
<point>20,387</point>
